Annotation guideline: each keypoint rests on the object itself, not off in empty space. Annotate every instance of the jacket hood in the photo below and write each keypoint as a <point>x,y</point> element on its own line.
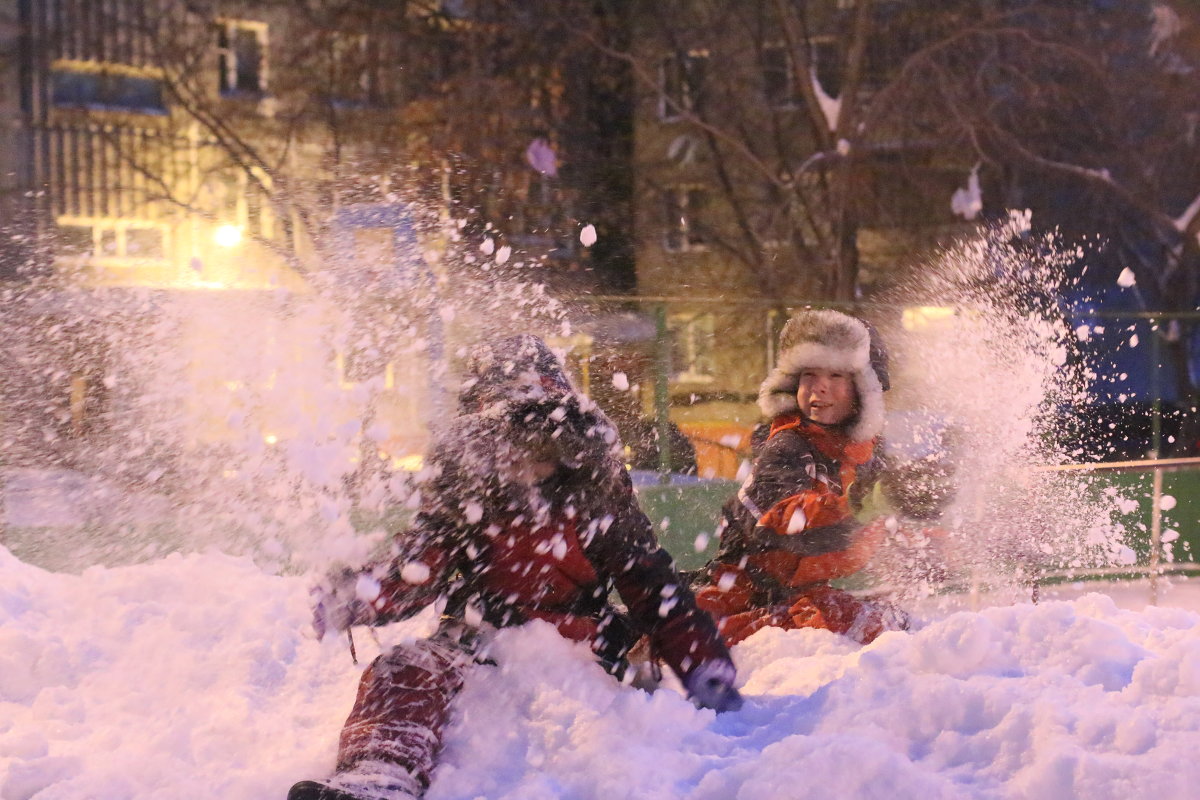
<point>513,369</point>
<point>519,384</point>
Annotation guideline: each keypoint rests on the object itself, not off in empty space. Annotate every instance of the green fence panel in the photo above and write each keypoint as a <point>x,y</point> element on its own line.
<point>686,516</point>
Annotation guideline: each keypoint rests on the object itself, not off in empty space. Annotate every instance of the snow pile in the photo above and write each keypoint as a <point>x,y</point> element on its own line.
<point>192,677</point>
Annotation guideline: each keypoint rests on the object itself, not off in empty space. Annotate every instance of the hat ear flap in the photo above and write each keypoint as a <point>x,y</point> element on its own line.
<point>878,357</point>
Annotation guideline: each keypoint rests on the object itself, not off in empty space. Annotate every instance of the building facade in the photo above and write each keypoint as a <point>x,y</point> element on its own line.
<point>228,152</point>
<point>763,180</point>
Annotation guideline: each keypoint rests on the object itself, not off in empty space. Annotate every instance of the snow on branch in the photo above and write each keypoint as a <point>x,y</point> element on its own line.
<point>831,107</point>
<point>1184,220</point>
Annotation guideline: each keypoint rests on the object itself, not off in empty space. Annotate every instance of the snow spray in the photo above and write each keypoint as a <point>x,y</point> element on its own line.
<point>984,369</point>
<point>283,425</point>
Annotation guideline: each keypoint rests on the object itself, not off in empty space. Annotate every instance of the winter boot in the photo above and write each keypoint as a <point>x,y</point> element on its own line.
<point>367,781</point>
<point>311,790</point>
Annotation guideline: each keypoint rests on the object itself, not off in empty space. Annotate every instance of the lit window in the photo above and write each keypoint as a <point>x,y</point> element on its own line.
<point>681,82</point>
<point>242,52</point>
<point>692,337</point>
<point>684,209</point>
<point>110,240</point>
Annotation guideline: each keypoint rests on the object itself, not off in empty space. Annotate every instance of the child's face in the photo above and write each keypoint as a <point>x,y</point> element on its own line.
<point>826,396</point>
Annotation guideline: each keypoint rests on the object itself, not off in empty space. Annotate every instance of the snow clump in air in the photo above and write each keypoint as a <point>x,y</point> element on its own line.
<point>980,370</point>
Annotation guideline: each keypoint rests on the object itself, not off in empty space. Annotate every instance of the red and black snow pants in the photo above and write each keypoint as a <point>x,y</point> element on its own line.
<point>402,706</point>
<point>738,614</point>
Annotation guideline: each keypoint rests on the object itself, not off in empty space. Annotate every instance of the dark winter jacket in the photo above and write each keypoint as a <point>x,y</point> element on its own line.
<point>792,525</point>
<point>502,548</point>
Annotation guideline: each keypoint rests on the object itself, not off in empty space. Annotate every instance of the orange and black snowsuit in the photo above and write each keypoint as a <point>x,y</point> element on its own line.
<point>501,551</point>
<point>789,531</point>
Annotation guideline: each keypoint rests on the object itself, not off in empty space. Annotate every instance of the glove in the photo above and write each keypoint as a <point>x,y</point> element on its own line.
<point>710,685</point>
<point>343,599</point>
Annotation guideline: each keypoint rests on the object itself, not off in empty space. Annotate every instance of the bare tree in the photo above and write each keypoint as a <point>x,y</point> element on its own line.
<point>818,122</point>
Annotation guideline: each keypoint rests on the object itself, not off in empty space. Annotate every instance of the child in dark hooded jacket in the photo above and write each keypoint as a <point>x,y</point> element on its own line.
<point>790,529</point>
<point>527,514</point>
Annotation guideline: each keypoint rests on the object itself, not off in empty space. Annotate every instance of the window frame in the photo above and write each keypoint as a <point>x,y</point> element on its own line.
<point>690,77</point>
<point>119,230</point>
<point>694,333</point>
<point>682,221</point>
<point>109,78</point>
<point>227,57</point>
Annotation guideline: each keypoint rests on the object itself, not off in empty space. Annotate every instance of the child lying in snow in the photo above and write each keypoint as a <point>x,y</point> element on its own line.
<point>527,514</point>
<point>790,530</point>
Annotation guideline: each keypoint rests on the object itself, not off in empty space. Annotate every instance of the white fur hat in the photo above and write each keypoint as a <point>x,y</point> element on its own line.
<point>830,340</point>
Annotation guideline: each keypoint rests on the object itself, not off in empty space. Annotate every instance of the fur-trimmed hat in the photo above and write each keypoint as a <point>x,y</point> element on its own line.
<point>830,340</point>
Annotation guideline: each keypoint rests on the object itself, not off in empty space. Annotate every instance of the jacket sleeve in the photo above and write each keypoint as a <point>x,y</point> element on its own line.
<point>829,566</point>
<point>418,573</point>
<point>425,554</point>
<point>660,604</point>
<point>788,496</point>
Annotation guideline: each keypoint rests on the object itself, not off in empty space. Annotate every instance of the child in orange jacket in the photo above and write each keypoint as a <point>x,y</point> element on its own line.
<point>790,529</point>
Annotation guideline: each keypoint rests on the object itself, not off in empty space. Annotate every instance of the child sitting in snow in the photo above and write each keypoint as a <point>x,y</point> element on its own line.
<point>528,514</point>
<point>790,529</point>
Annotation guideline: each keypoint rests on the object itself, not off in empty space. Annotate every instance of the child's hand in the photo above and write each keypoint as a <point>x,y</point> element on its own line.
<point>710,685</point>
<point>343,599</point>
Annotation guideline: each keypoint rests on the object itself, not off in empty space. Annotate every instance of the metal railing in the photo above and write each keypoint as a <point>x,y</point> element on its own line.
<point>768,316</point>
<point>1154,569</point>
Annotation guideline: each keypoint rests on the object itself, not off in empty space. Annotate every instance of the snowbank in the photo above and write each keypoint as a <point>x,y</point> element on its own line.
<point>192,677</point>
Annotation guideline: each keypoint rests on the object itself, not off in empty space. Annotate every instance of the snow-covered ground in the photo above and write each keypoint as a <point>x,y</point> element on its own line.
<point>193,677</point>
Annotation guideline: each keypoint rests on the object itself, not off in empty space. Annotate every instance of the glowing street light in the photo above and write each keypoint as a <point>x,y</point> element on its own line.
<point>228,235</point>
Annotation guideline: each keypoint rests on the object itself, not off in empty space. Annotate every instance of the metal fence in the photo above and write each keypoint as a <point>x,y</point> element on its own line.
<point>679,384</point>
<point>689,351</point>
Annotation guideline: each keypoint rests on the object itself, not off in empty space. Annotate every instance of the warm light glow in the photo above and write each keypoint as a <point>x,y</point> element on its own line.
<point>228,235</point>
<point>918,317</point>
<point>271,438</point>
<point>411,463</point>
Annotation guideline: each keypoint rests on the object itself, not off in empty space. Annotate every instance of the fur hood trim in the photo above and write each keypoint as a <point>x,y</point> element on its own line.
<point>830,340</point>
